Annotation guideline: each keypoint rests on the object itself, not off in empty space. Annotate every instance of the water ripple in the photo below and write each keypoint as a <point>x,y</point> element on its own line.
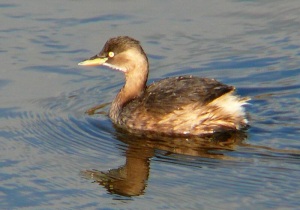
<point>75,21</point>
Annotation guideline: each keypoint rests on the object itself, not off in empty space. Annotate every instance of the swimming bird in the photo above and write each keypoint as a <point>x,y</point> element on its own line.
<point>175,106</point>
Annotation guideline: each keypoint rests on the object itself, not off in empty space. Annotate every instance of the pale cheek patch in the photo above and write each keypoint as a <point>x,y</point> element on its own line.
<point>114,67</point>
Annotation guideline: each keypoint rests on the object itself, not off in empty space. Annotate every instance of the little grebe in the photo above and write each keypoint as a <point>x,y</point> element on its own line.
<point>183,105</point>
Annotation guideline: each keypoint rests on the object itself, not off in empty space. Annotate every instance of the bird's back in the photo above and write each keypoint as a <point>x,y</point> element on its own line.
<point>183,105</point>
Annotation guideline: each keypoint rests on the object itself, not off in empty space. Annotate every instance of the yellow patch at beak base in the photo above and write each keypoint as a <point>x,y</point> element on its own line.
<point>93,62</point>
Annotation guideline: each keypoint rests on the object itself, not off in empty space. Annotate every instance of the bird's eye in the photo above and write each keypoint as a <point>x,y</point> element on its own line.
<point>111,54</point>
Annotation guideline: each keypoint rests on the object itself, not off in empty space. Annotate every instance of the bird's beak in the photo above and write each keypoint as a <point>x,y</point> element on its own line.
<point>94,61</point>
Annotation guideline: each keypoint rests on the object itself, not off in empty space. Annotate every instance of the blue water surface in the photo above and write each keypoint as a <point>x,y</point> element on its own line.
<point>55,155</point>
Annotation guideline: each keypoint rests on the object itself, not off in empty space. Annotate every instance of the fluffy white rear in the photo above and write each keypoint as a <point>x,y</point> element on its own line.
<point>232,105</point>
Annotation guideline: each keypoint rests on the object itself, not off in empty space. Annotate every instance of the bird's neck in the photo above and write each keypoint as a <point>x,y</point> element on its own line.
<point>134,87</point>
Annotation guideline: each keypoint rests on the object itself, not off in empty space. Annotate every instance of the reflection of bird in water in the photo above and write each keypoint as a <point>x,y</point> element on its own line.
<point>131,178</point>
<point>184,105</point>
<point>127,180</point>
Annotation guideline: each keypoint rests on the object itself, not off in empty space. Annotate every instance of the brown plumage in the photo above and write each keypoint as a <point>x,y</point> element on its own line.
<point>184,105</point>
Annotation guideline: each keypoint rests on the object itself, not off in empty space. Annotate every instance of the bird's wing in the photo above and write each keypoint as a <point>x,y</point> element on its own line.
<point>174,93</point>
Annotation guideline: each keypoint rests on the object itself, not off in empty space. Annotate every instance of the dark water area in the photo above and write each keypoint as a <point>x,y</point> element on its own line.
<point>55,155</point>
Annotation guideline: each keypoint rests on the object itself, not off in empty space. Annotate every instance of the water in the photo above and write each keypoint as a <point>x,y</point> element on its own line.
<point>52,153</point>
